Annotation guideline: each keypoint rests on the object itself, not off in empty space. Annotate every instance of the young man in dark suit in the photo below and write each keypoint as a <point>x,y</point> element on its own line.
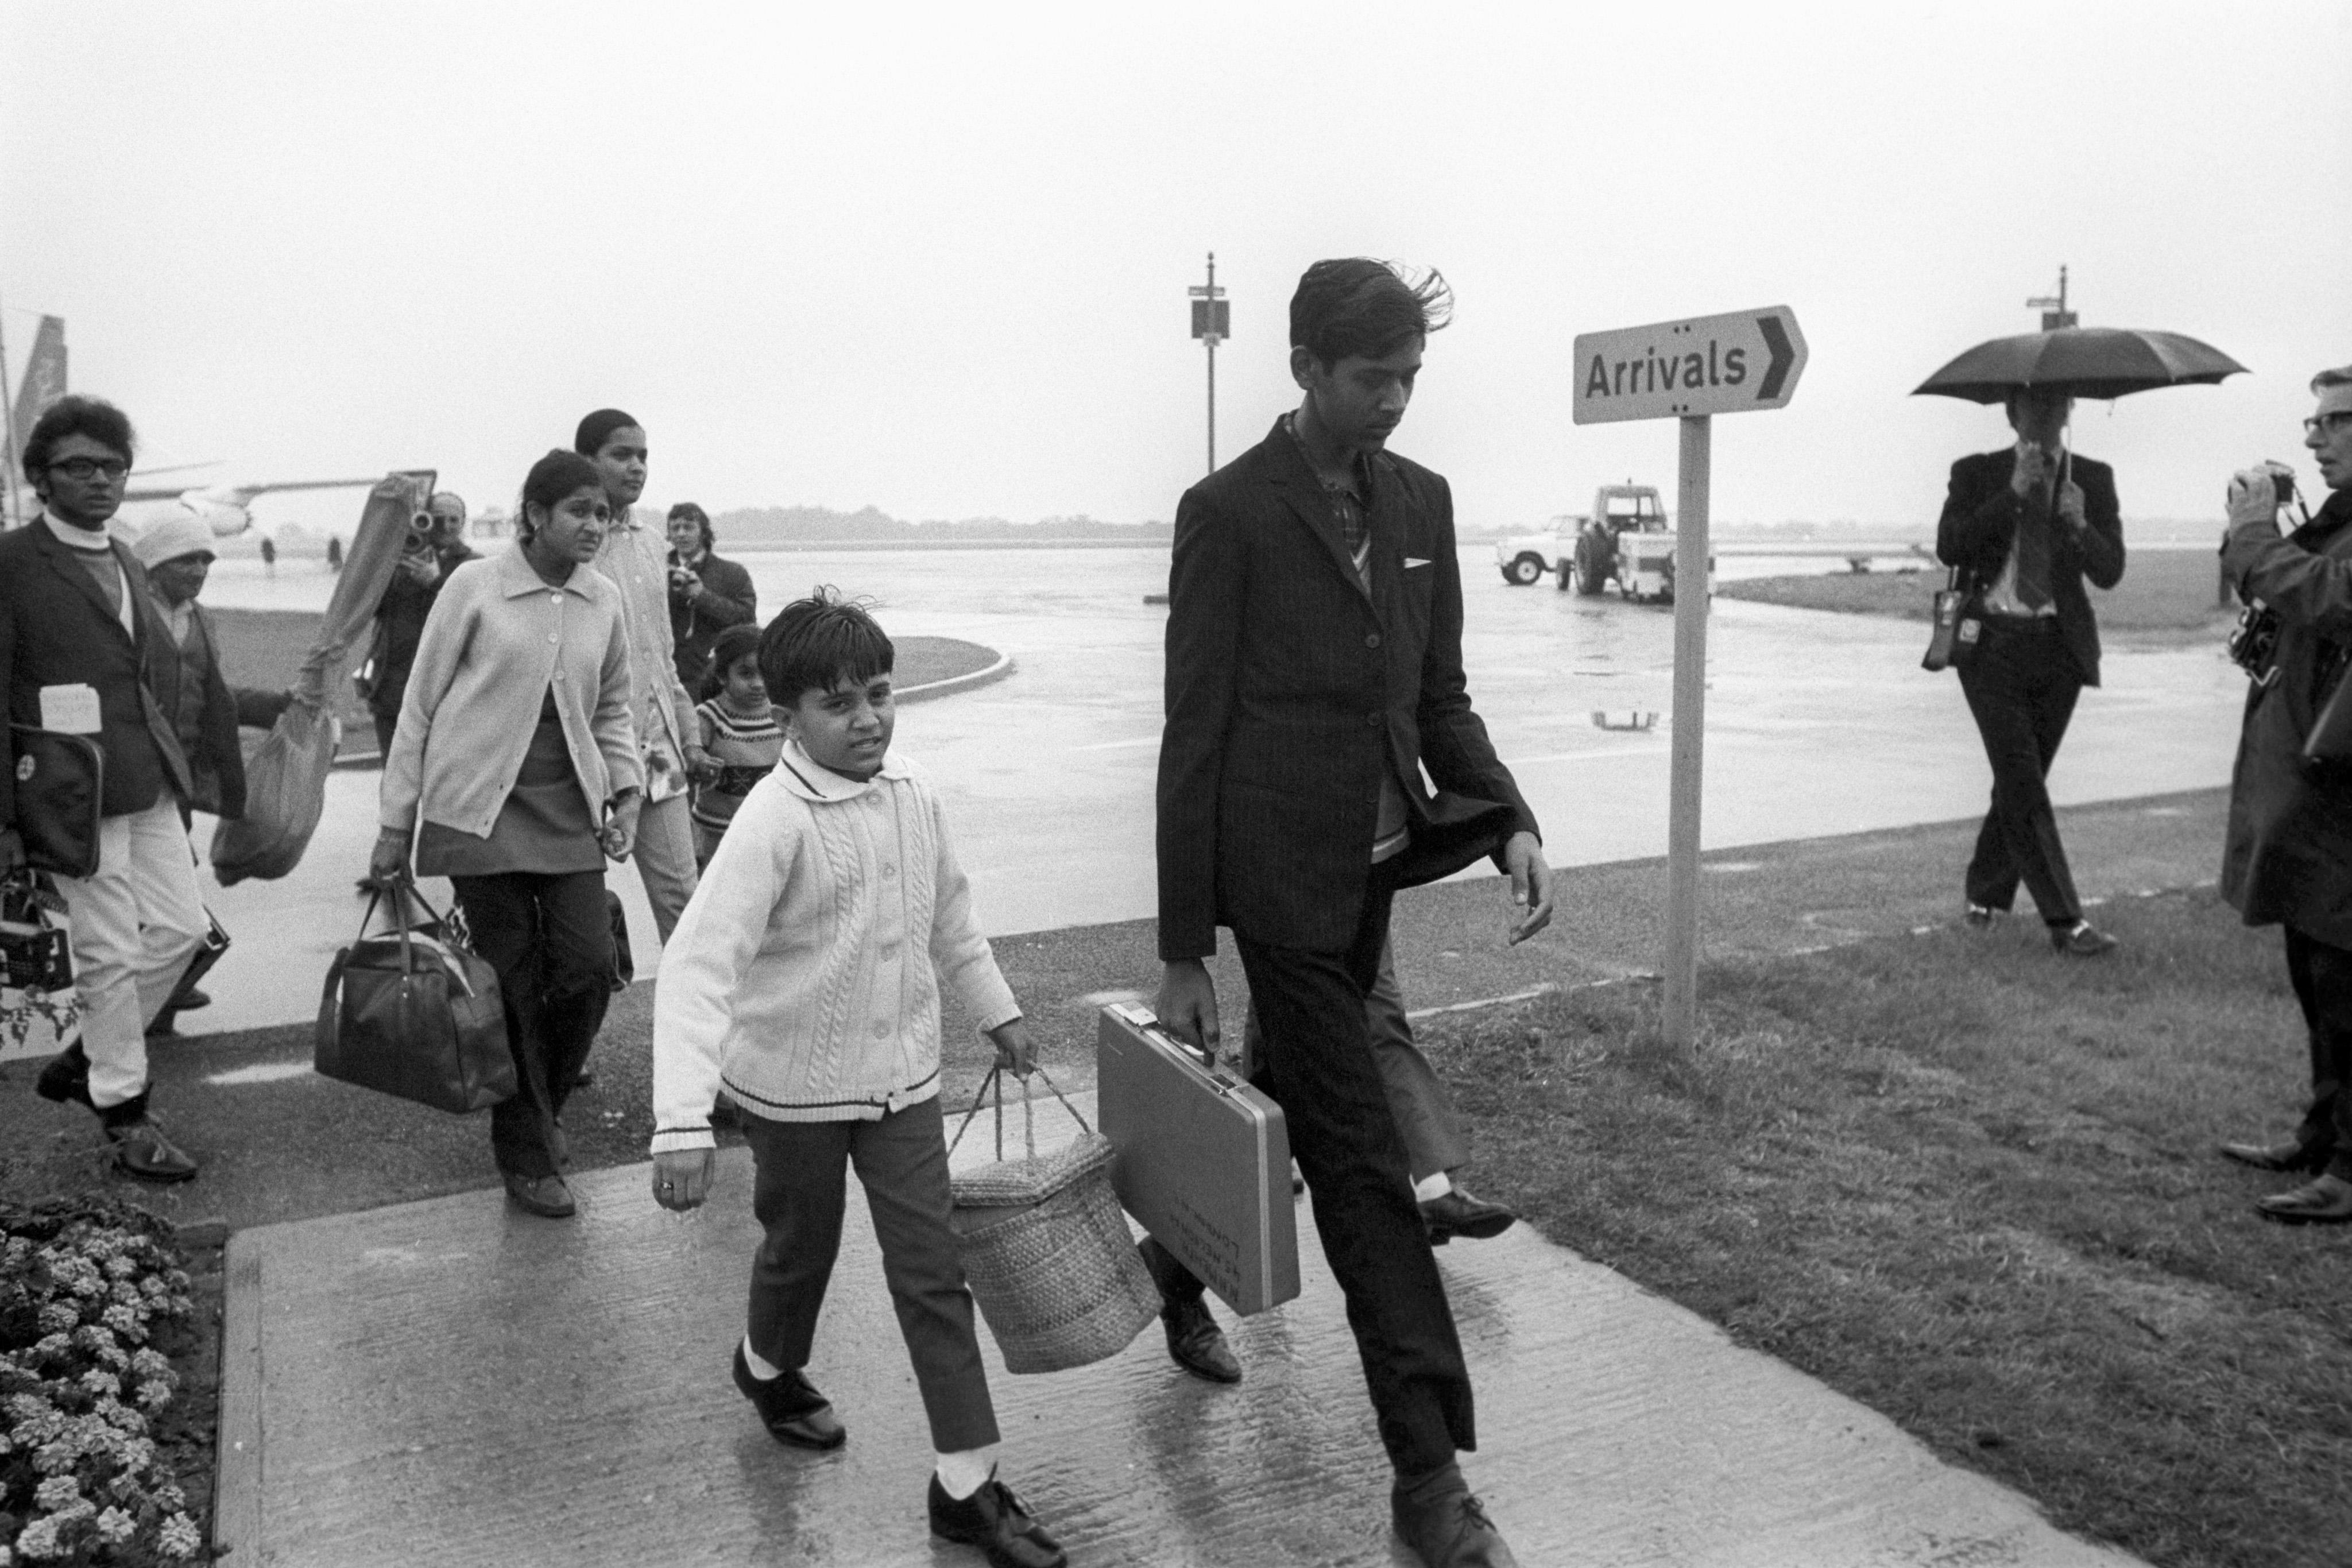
<point>76,629</point>
<point>707,595</point>
<point>1314,669</point>
<point>2029,524</point>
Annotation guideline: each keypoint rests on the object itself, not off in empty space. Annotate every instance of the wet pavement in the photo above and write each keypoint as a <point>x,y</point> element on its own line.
<point>451,1381</point>
<point>1817,725</point>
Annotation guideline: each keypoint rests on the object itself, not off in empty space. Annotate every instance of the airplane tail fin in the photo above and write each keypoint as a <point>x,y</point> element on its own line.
<point>45,377</point>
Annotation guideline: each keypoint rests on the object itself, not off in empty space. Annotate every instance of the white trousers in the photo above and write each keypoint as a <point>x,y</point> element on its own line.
<point>665,857</point>
<point>135,925</point>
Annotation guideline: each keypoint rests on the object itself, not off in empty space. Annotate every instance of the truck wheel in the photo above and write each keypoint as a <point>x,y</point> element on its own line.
<point>1524,568</point>
<point>1591,571</point>
<point>1666,582</point>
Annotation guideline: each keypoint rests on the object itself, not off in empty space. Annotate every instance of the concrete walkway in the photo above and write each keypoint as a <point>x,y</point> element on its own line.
<point>454,1383</point>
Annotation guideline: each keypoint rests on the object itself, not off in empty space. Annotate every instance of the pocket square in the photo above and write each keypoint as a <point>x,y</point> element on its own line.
<point>1414,560</point>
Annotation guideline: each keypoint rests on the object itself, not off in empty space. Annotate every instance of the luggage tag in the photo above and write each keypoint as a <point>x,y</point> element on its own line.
<point>71,709</point>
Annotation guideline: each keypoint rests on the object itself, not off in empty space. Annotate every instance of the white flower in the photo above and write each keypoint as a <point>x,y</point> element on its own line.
<point>56,1317</point>
<point>57,1492</point>
<point>120,1268</point>
<point>114,1527</point>
<point>100,1382</point>
<point>154,1396</point>
<point>39,1541</point>
<point>178,1537</point>
<point>123,1321</point>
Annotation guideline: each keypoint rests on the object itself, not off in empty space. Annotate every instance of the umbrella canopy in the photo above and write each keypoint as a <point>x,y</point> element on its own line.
<point>2080,362</point>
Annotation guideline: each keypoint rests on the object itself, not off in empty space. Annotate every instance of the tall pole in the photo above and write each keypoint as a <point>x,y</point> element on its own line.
<point>1687,761</point>
<point>1209,326</point>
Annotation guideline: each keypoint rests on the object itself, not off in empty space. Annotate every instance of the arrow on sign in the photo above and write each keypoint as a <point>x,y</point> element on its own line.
<point>1776,341</point>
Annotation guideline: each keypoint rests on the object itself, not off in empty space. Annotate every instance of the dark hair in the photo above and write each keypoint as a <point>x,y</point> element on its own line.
<point>701,521</point>
<point>550,479</point>
<point>814,643</point>
<point>1358,306</point>
<point>732,643</point>
<point>2340,376</point>
<point>597,429</point>
<point>94,417</point>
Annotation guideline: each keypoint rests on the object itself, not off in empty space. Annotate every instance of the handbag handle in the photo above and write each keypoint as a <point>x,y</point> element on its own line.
<point>1029,1126</point>
<point>400,891</point>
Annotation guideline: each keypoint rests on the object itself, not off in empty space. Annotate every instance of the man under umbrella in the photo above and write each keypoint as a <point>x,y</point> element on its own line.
<point>2028,524</point>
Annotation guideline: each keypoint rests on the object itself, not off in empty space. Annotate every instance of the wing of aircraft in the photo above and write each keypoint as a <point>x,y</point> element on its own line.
<point>225,510</point>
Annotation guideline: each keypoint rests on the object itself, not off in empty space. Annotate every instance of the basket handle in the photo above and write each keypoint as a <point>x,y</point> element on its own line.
<point>1029,1125</point>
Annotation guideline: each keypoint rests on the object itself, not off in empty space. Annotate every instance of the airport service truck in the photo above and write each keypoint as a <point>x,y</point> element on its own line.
<point>1623,540</point>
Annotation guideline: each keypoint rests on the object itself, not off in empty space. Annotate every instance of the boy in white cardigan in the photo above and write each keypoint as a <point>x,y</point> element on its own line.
<point>803,978</point>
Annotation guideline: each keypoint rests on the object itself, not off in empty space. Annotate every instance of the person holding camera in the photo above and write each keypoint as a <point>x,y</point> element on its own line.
<point>2289,856</point>
<point>707,595</point>
<point>435,550</point>
<point>2028,524</point>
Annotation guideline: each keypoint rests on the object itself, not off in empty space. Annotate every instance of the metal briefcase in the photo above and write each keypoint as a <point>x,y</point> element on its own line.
<point>1202,1161</point>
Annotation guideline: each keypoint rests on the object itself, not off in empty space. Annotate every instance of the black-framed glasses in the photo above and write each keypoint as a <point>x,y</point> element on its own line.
<point>2334,420</point>
<point>84,469</point>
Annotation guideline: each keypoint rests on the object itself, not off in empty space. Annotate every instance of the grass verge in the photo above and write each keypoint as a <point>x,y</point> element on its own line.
<point>1972,1186</point>
<point>2165,597</point>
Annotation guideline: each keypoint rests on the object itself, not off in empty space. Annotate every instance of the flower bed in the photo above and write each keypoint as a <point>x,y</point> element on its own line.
<point>93,1307</point>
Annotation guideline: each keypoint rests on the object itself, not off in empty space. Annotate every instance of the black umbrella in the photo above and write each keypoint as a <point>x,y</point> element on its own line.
<point>2080,362</point>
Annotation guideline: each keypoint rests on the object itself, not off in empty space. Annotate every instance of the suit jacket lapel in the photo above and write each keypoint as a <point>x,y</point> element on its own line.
<point>1303,492</point>
<point>60,556</point>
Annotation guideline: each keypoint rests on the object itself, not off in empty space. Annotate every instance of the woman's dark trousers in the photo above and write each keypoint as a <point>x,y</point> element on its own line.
<point>550,940</point>
<point>2021,686</point>
<point>798,1192</point>
<point>2322,976</point>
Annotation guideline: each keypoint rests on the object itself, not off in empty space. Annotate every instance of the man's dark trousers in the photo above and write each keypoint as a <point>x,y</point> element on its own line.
<point>2021,686</point>
<point>1317,1064</point>
<point>2322,976</point>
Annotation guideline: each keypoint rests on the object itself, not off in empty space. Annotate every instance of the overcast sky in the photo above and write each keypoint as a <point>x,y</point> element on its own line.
<point>934,258</point>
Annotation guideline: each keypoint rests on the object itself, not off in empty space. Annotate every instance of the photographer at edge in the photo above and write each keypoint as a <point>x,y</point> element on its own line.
<point>2289,855</point>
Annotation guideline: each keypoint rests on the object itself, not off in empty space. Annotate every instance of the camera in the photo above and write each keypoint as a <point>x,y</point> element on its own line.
<point>419,540</point>
<point>2282,482</point>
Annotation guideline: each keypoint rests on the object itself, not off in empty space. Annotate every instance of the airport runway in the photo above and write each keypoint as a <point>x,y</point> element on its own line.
<point>1816,723</point>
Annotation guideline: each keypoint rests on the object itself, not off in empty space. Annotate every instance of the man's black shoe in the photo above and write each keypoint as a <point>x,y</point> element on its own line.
<point>1195,1343</point>
<point>2287,1157</point>
<point>67,1079</point>
<point>544,1196</point>
<point>2322,1200</point>
<point>1457,1213</point>
<point>790,1408</point>
<point>141,1150</point>
<point>995,1521</point>
<point>1446,1526</point>
<point>2081,940</point>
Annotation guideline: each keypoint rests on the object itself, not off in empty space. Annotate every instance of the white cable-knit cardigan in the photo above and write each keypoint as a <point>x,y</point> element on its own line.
<point>802,976</point>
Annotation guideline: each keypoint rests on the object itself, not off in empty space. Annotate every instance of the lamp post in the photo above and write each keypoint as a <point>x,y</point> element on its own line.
<point>1211,323</point>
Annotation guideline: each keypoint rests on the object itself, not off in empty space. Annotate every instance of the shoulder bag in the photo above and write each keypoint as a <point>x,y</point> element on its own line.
<point>60,789</point>
<point>1959,623</point>
<point>415,1012</point>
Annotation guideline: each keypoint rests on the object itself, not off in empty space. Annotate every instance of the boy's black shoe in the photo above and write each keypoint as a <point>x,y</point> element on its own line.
<point>1445,1525</point>
<point>790,1406</point>
<point>993,1519</point>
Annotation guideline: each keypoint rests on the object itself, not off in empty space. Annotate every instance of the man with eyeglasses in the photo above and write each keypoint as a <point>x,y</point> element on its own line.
<point>76,626</point>
<point>407,600</point>
<point>2289,856</point>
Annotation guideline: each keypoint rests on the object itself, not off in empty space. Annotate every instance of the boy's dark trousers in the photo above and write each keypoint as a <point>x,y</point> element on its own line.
<point>550,940</point>
<point>799,1195</point>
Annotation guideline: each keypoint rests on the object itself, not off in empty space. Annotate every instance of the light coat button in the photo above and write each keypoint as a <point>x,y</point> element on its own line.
<point>881,1029</point>
<point>555,599</point>
<point>555,637</point>
<point>889,870</point>
<point>1373,640</point>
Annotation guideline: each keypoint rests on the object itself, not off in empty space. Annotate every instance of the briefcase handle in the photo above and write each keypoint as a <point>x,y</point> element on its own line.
<point>1028,1117</point>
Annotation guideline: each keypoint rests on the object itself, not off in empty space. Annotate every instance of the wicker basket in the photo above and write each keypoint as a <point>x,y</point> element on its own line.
<point>1047,1251</point>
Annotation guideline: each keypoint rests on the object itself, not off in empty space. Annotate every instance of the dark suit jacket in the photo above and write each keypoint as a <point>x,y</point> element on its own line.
<point>1289,690</point>
<point>1979,521</point>
<point>727,599</point>
<point>56,630</point>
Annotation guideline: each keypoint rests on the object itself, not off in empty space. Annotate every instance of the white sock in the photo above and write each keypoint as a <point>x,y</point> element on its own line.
<point>765,1371</point>
<point>965,1472</point>
<point>1430,1189</point>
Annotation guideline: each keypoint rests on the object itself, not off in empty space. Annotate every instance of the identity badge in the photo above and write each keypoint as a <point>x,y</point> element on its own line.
<point>70,709</point>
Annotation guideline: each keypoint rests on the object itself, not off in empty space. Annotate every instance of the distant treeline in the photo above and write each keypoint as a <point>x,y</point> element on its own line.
<point>798,525</point>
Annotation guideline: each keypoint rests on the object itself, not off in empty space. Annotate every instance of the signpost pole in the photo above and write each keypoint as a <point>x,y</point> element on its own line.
<point>1687,763</point>
<point>1213,361</point>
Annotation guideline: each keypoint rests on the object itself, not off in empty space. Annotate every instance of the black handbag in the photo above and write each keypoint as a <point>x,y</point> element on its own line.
<point>415,1012</point>
<point>60,788</point>
<point>1958,624</point>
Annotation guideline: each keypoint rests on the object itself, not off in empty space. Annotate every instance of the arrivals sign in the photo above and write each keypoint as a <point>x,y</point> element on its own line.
<point>1708,364</point>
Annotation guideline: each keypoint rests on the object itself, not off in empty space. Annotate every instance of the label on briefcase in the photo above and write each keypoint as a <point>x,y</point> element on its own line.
<point>1203,1161</point>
